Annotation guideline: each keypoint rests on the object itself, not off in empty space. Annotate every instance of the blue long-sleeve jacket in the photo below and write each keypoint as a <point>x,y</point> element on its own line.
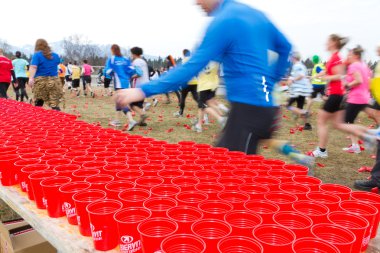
<point>242,39</point>
<point>121,69</point>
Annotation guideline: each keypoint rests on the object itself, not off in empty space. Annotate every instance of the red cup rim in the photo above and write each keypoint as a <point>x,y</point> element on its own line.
<point>274,228</point>
<point>47,174</point>
<point>372,210</point>
<point>100,208</point>
<point>158,221</point>
<point>184,207</point>
<point>62,188</point>
<point>312,240</point>
<point>134,190</point>
<point>295,215</point>
<point>123,211</point>
<point>45,182</point>
<point>211,221</point>
<point>333,226</point>
<point>160,200</point>
<point>76,196</point>
<point>240,238</point>
<point>352,217</point>
<point>184,237</point>
<point>242,212</point>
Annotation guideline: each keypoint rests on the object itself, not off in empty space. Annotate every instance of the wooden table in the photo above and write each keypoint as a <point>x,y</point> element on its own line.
<point>63,236</point>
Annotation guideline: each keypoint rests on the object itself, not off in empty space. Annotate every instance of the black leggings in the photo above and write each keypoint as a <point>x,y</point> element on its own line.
<point>184,92</point>
<point>3,90</point>
<point>20,90</point>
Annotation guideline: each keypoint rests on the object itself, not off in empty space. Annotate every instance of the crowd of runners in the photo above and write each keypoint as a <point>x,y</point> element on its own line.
<point>343,85</point>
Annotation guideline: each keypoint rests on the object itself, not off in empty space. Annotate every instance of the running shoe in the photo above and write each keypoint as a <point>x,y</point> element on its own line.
<point>319,154</point>
<point>142,119</point>
<point>197,128</point>
<point>155,102</point>
<point>302,159</point>
<point>352,149</point>
<point>178,115</point>
<point>365,185</point>
<point>223,122</point>
<point>115,123</point>
<point>370,142</point>
<point>131,125</point>
<point>147,107</point>
<point>206,120</point>
<point>308,127</point>
<point>223,108</point>
<point>92,94</point>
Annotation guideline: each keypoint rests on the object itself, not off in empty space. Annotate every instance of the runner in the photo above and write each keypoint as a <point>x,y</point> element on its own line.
<point>87,70</point>
<point>75,77</point>
<point>249,80</point>
<point>62,72</point>
<point>171,64</point>
<point>300,89</point>
<point>137,80</point>
<point>6,74</point>
<point>319,85</point>
<point>20,67</point>
<point>208,82</point>
<point>107,83</point>
<point>191,87</point>
<point>332,110</point>
<point>357,84</point>
<point>122,70</point>
<point>68,75</point>
<point>44,76</point>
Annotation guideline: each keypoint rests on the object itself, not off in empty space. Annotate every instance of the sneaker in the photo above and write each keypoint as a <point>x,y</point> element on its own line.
<point>370,142</point>
<point>115,123</point>
<point>206,120</point>
<point>302,159</point>
<point>142,119</point>
<point>131,125</point>
<point>142,124</point>
<point>319,154</point>
<point>197,128</point>
<point>178,115</point>
<point>78,93</point>
<point>147,107</point>
<point>223,108</point>
<point>92,94</point>
<point>308,127</point>
<point>365,185</point>
<point>223,122</point>
<point>155,102</point>
<point>353,149</point>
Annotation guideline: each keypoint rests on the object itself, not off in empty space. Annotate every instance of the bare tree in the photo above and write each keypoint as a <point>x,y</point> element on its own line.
<point>5,46</point>
<point>77,48</point>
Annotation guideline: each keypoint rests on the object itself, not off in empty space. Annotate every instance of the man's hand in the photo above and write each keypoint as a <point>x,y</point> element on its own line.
<point>125,97</point>
<point>31,82</point>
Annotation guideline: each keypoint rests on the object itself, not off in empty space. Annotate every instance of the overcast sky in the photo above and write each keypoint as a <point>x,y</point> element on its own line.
<point>164,27</point>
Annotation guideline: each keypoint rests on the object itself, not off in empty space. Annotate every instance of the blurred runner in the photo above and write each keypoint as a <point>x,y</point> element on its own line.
<point>319,85</point>
<point>87,70</point>
<point>6,74</point>
<point>20,67</point>
<point>62,72</point>
<point>75,78</point>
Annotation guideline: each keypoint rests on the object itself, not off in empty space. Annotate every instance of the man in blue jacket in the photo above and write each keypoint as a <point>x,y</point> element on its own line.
<point>241,38</point>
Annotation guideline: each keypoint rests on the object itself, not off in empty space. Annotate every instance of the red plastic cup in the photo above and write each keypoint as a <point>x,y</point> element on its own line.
<point>218,151</point>
<point>297,189</point>
<point>66,170</point>
<point>274,238</point>
<point>54,162</point>
<point>94,165</point>
<point>185,216</point>
<point>338,236</point>
<point>185,144</point>
<point>297,169</point>
<point>220,158</point>
<point>66,194</point>
<point>113,188</point>
<point>36,155</point>
<point>158,159</point>
<point>190,169</point>
<point>134,197</point>
<point>8,150</point>
<point>282,199</point>
<point>99,181</point>
<point>207,176</point>
<point>104,155</point>
<point>215,209</point>
<point>369,198</point>
<point>147,182</point>
<point>299,223</point>
<point>82,174</point>
<point>211,231</point>
<point>80,160</point>
<point>246,174</point>
<point>151,170</point>
<point>35,181</point>
<point>50,189</point>
<point>191,198</point>
<point>127,221</point>
<point>169,174</point>
<point>185,183</point>
<point>211,189</point>
<point>239,164</point>
<point>265,209</point>
<point>103,225</point>
<point>364,210</point>
<point>129,174</point>
<point>188,157</point>
<point>82,199</point>
<point>255,191</point>
<point>120,160</point>
<point>181,243</point>
<point>239,244</point>
<point>159,205</point>
<point>242,222</point>
<point>356,224</point>
<point>255,158</point>
<point>271,182</point>
<point>236,198</point>
<point>314,245</point>
<point>173,164</point>
<point>285,176</point>
<point>7,169</point>
<point>225,170</point>
<point>25,172</point>
<point>236,154</point>
<point>312,182</point>
<point>206,163</point>
<point>343,192</point>
<point>329,200</point>
<point>316,211</point>
<point>231,183</point>
<point>275,164</point>
<point>171,154</point>
<point>153,231</point>
<point>165,190</point>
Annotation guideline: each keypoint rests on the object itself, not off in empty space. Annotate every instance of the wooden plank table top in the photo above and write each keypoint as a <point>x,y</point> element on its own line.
<point>63,236</point>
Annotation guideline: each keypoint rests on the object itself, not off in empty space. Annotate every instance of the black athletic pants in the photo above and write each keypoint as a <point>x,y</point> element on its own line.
<point>3,90</point>
<point>184,92</point>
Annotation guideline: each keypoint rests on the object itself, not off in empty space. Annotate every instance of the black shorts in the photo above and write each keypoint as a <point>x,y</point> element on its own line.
<point>87,80</point>
<point>247,125</point>
<point>76,83</point>
<point>352,112</point>
<point>300,101</point>
<point>375,106</point>
<point>318,90</point>
<point>139,104</point>
<point>22,81</point>
<point>205,96</point>
<point>333,104</point>
<point>68,79</point>
<point>107,82</point>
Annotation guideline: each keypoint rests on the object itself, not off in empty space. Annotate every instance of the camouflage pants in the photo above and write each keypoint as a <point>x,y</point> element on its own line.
<point>48,89</point>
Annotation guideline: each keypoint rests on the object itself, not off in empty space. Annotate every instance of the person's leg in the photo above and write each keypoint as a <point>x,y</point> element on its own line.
<point>17,92</point>
<point>3,90</point>
<point>373,114</point>
<point>182,100</point>
<point>178,94</point>
<point>22,83</point>
<point>374,181</point>
<point>323,129</point>
<point>55,93</point>
<point>194,93</point>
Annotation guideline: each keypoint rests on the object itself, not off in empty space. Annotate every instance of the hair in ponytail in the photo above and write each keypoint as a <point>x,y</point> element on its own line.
<point>340,41</point>
<point>358,51</point>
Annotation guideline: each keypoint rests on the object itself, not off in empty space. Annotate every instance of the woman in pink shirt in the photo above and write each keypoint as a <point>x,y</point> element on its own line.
<point>358,94</point>
<point>87,70</point>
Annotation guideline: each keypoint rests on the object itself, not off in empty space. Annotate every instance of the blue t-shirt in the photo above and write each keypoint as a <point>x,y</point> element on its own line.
<point>20,67</point>
<point>46,67</point>
<point>122,70</point>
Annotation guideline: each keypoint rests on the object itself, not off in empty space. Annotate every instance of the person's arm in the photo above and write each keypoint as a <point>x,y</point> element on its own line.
<point>283,48</point>
<point>82,72</point>
<point>338,73</point>
<point>92,69</point>
<point>33,69</point>
<point>357,80</point>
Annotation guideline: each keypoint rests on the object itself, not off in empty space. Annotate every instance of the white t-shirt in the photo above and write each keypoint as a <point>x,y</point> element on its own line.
<point>140,63</point>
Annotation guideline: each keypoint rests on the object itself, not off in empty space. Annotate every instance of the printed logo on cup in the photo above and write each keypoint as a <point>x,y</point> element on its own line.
<point>70,211</point>
<point>78,219</point>
<point>128,246</point>
<point>24,185</point>
<point>96,235</point>
<point>44,201</point>
<point>366,241</point>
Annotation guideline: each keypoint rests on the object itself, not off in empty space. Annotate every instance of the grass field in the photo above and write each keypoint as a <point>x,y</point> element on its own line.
<point>339,168</point>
